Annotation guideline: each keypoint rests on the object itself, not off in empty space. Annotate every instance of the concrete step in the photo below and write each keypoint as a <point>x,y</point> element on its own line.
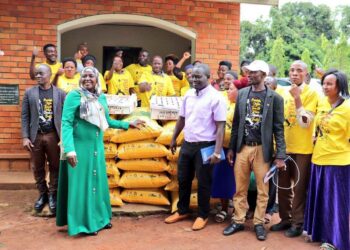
<point>13,180</point>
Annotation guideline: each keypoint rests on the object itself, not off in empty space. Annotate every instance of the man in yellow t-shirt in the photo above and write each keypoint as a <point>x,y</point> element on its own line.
<point>119,80</point>
<point>137,69</point>
<point>300,106</point>
<point>50,53</point>
<point>188,74</point>
<point>90,61</point>
<point>155,83</point>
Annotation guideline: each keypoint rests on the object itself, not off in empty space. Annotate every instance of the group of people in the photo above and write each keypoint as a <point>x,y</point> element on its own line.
<point>306,136</point>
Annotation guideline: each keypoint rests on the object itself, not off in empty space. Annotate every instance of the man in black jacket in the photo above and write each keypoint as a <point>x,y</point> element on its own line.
<point>258,120</point>
<point>41,124</point>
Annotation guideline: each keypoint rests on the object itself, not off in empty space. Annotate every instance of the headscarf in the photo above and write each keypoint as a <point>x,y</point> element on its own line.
<point>90,109</point>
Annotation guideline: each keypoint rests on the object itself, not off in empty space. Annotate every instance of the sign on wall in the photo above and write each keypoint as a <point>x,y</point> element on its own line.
<point>9,94</point>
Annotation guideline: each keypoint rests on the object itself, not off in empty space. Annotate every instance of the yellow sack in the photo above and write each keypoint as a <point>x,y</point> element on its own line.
<point>107,135</point>
<point>143,180</point>
<point>113,181</point>
<point>145,196</point>
<point>111,167</point>
<point>167,134</point>
<point>175,200</point>
<point>174,157</point>
<point>151,129</point>
<point>140,111</point>
<point>114,196</point>
<point>174,184</point>
<point>136,150</point>
<point>144,165</point>
<point>172,167</point>
<point>110,150</point>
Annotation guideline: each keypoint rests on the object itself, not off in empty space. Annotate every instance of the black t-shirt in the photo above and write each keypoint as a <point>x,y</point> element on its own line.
<point>46,110</point>
<point>253,119</point>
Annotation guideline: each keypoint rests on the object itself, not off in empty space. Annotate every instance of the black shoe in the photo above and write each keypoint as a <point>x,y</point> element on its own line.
<point>52,203</point>
<point>92,234</point>
<point>108,226</point>
<point>260,232</point>
<point>233,228</point>
<point>294,232</point>
<point>41,202</point>
<point>280,226</point>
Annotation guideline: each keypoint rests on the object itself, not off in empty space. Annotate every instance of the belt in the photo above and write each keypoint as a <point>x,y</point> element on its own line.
<point>200,142</point>
<point>45,132</point>
<point>252,143</point>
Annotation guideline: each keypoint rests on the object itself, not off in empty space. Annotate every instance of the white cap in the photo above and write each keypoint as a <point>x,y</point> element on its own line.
<point>258,65</point>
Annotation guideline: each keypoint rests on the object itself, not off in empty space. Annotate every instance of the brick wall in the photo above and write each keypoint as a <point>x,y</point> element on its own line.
<point>28,23</point>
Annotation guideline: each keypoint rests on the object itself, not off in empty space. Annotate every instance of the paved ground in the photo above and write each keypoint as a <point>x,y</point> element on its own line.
<point>20,230</point>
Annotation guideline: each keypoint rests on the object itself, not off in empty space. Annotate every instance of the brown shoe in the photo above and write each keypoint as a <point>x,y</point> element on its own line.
<point>199,224</point>
<point>176,217</point>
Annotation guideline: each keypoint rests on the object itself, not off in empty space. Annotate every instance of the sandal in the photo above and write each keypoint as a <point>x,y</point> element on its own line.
<point>327,246</point>
<point>220,216</point>
<point>268,218</point>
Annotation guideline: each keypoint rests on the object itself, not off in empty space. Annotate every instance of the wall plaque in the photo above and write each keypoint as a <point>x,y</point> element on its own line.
<point>9,94</point>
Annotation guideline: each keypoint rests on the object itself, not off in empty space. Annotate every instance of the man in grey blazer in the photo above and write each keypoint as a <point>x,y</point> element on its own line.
<point>41,125</point>
<point>258,120</point>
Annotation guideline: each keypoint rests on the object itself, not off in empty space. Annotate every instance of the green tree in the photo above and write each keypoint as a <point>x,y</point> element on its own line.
<point>309,32</point>
<point>344,24</point>
<point>277,56</point>
<point>253,38</point>
<point>337,55</point>
<point>306,58</point>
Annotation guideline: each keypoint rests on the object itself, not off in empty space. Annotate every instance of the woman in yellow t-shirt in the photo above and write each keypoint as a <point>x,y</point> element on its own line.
<point>172,69</point>
<point>328,202</point>
<point>224,186</point>
<point>70,79</point>
<point>120,81</point>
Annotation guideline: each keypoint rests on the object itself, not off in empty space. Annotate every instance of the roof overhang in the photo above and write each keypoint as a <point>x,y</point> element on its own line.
<point>264,2</point>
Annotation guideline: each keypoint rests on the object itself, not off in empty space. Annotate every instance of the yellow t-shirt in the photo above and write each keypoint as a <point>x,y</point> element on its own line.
<point>68,84</point>
<point>179,84</point>
<point>54,68</point>
<point>333,134</point>
<point>120,84</point>
<point>228,125</point>
<point>102,82</point>
<point>161,86</point>
<point>298,139</point>
<point>281,91</point>
<point>136,71</point>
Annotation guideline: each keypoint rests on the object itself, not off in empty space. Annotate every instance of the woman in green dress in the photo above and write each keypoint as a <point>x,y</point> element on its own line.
<point>83,196</point>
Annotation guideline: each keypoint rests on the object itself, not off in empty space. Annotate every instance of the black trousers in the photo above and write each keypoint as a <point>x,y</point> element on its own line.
<point>190,163</point>
<point>46,149</point>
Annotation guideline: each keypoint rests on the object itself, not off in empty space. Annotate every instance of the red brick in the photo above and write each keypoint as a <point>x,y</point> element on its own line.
<point>8,19</point>
<point>19,165</point>
<point>25,23</point>
<point>4,165</point>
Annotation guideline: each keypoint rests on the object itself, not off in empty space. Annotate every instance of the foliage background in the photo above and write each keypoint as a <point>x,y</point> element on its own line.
<point>304,31</point>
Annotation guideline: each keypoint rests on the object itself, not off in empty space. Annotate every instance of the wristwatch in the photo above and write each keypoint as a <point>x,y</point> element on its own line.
<point>217,155</point>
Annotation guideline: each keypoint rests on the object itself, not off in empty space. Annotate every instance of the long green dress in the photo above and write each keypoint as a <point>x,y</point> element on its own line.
<point>83,198</point>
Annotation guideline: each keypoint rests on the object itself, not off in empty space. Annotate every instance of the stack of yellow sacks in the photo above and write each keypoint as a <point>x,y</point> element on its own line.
<point>142,163</point>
